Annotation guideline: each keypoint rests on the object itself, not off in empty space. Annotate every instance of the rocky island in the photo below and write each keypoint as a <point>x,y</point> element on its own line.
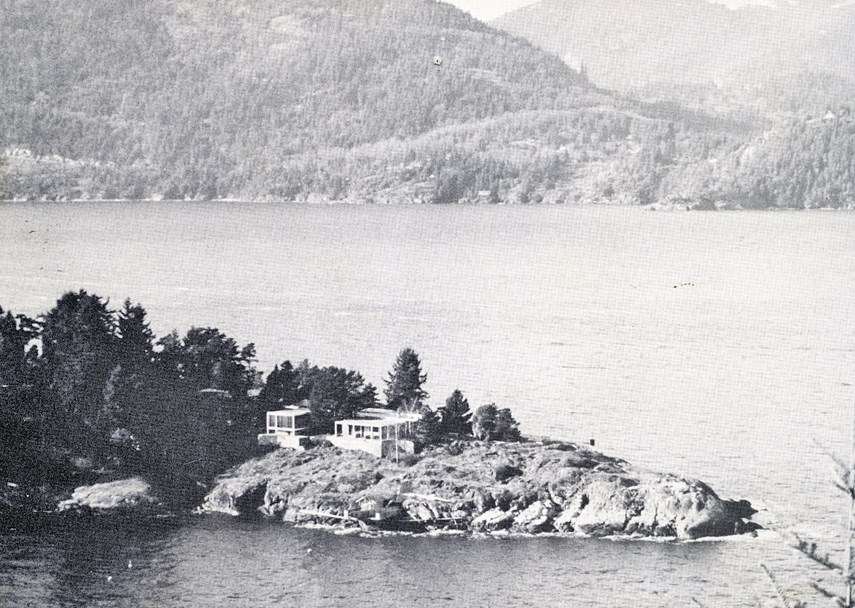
<point>478,486</point>
<point>144,431</point>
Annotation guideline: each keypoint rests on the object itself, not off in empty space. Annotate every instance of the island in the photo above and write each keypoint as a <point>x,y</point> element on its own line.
<point>184,424</point>
<point>477,486</point>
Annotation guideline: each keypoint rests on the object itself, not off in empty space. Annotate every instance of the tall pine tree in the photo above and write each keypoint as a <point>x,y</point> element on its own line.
<point>79,339</point>
<point>404,387</point>
<point>455,415</point>
<point>136,340</point>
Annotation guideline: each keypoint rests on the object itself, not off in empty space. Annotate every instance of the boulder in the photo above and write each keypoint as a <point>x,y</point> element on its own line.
<point>493,520</point>
<point>126,494</point>
<point>506,471</point>
<point>537,517</point>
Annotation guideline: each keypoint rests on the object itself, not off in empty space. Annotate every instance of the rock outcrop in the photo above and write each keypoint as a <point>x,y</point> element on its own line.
<point>479,486</point>
<point>131,494</point>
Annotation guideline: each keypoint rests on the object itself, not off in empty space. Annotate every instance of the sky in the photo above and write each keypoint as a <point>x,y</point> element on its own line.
<point>490,9</point>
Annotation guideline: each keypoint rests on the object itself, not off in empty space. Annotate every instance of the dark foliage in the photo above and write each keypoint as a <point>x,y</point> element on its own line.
<point>455,415</point>
<point>208,359</point>
<point>493,424</point>
<point>105,397</point>
<point>404,386</point>
<point>100,397</point>
<point>428,429</point>
<point>332,392</point>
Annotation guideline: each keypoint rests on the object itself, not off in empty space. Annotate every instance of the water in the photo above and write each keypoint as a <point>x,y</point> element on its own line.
<point>719,346</point>
<point>215,562</point>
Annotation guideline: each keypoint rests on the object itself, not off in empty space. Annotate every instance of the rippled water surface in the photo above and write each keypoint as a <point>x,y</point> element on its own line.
<point>720,346</point>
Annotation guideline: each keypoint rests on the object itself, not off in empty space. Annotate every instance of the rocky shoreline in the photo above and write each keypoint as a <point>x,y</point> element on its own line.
<point>474,486</point>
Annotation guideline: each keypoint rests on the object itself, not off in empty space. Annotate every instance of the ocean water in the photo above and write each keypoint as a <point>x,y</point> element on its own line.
<point>715,345</point>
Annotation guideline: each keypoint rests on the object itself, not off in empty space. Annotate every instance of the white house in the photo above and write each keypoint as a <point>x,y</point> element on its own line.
<point>288,427</point>
<point>376,431</point>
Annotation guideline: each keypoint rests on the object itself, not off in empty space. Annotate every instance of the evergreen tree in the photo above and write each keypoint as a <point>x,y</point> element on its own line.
<point>455,415</point>
<point>492,424</point>
<point>404,386</point>
<point>16,360</point>
<point>78,340</point>
<point>284,386</point>
<point>134,364</point>
<point>168,357</point>
<point>136,340</point>
<point>337,393</point>
<point>484,422</point>
<point>209,359</point>
<point>18,395</point>
<point>507,428</point>
<point>428,429</point>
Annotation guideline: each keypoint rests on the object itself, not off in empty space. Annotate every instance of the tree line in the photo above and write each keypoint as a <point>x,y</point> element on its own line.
<point>86,390</point>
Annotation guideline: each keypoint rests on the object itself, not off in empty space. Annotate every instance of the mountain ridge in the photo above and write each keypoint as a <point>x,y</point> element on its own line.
<point>628,43</point>
<point>349,100</point>
<point>164,99</point>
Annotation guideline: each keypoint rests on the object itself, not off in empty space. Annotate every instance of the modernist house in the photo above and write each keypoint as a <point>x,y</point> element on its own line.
<point>376,431</point>
<point>287,428</point>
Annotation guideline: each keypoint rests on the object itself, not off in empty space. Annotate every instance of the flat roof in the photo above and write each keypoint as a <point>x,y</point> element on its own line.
<point>293,412</point>
<point>374,421</point>
<point>372,413</point>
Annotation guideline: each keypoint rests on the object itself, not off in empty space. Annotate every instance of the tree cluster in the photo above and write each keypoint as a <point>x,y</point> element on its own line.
<point>84,383</point>
<point>404,392</point>
<point>332,393</point>
<point>86,389</point>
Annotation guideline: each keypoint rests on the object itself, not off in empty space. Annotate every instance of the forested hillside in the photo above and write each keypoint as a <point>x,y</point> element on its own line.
<point>307,100</point>
<point>219,98</point>
<point>340,100</point>
<point>804,164</point>
<point>626,44</point>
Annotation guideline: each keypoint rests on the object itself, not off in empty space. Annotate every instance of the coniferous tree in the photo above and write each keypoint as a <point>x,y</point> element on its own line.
<point>404,386</point>
<point>209,359</point>
<point>16,360</point>
<point>484,422</point>
<point>136,340</point>
<point>428,429</point>
<point>78,340</point>
<point>493,424</point>
<point>507,428</point>
<point>455,415</point>
<point>284,386</point>
<point>18,391</point>
<point>337,393</point>
<point>134,365</point>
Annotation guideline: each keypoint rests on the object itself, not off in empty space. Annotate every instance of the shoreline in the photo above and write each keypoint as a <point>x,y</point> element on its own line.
<point>477,487</point>
<point>663,207</point>
<point>472,488</point>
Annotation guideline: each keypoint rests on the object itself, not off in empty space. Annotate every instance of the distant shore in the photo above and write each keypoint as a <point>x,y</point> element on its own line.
<point>664,206</point>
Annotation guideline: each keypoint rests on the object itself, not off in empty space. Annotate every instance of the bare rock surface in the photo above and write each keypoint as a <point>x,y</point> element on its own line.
<point>552,487</point>
<point>126,494</point>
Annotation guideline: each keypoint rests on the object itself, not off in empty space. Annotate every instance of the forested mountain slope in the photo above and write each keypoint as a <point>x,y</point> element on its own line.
<point>305,100</point>
<point>804,164</point>
<point>330,100</point>
<point>625,44</point>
